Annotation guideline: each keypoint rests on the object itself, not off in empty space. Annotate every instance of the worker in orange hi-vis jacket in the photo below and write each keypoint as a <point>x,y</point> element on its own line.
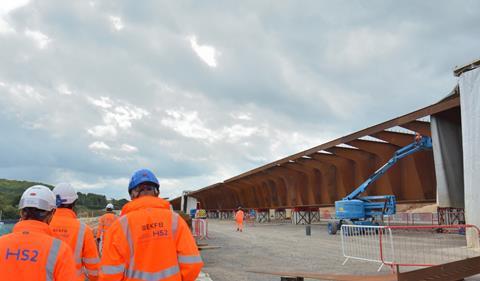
<point>239,215</point>
<point>104,223</point>
<point>149,241</point>
<point>76,234</point>
<point>31,252</point>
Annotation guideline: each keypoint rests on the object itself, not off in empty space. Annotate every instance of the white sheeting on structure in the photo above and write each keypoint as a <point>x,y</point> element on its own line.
<point>470,107</point>
<point>448,157</point>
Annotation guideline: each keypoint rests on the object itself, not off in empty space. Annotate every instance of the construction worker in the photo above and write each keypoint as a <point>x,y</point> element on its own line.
<point>239,215</point>
<point>149,241</point>
<point>76,234</point>
<point>31,252</point>
<point>104,223</point>
<point>418,137</point>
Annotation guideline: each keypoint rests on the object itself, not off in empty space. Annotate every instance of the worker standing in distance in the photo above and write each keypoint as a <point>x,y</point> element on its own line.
<point>76,234</point>
<point>104,223</point>
<point>31,252</point>
<point>149,241</point>
<point>239,215</point>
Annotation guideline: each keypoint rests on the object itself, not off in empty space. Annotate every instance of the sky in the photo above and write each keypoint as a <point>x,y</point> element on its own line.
<point>201,91</point>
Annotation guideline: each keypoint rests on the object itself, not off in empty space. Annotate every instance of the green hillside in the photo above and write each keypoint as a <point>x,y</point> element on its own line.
<point>87,205</point>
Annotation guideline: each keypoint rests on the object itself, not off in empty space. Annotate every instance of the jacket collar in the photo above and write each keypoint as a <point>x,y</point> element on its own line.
<point>32,226</point>
<point>145,202</point>
<point>65,212</point>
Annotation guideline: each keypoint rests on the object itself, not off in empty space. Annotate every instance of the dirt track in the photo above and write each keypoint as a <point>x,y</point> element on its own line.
<point>276,248</point>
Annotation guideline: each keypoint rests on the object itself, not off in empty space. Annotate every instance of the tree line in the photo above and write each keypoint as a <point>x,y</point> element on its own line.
<point>11,191</point>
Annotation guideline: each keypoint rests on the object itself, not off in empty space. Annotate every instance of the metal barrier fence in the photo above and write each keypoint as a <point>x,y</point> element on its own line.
<point>425,245</point>
<point>365,243</point>
<point>200,229</point>
<point>412,219</point>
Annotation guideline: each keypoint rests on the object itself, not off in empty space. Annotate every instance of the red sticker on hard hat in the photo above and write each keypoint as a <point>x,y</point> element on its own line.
<point>33,194</point>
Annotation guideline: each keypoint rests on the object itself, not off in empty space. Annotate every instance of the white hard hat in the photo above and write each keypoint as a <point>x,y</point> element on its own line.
<point>109,206</point>
<point>66,193</point>
<point>38,196</point>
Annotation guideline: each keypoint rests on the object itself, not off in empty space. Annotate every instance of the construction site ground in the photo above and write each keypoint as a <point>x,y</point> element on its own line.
<point>277,247</point>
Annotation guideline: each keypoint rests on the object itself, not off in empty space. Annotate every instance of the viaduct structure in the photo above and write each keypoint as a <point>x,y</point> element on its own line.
<point>448,175</point>
<point>319,176</point>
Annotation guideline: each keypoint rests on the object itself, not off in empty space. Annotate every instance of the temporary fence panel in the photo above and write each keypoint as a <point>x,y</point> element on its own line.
<point>200,229</point>
<point>430,245</point>
<point>412,219</point>
<point>412,245</point>
<point>365,243</point>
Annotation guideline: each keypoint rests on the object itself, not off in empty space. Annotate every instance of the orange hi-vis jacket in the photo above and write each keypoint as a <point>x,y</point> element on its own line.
<point>149,242</point>
<point>104,223</point>
<point>239,216</point>
<point>79,237</point>
<point>31,252</point>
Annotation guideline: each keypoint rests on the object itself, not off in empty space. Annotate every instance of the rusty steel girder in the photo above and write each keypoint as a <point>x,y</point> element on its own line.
<point>313,178</point>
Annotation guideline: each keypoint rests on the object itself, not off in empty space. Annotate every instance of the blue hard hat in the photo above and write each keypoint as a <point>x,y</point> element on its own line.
<point>142,176</point>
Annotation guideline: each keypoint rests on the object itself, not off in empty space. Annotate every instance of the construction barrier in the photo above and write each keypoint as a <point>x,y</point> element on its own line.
<point>263,215</point>
<point>365,243</point>
<point>413,245</point>
<point>412,219</point>
<point>200,229</point>
<point>451,215</point>
<point>305,215</point>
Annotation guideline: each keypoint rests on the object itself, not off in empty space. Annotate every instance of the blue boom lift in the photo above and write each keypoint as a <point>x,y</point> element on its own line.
<point>357,210</point>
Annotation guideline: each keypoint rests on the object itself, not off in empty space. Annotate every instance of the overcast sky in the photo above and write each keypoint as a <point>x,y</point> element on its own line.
<point>200,91</point>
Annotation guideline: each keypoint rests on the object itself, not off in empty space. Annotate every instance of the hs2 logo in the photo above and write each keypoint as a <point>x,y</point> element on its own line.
<point>22,255</point>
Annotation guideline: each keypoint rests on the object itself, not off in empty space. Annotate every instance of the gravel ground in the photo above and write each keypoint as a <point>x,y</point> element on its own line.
<point>280,247</point>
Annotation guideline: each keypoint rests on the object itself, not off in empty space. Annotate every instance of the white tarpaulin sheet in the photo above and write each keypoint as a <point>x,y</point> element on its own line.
<point>448,157</point>
<point>470,107</point>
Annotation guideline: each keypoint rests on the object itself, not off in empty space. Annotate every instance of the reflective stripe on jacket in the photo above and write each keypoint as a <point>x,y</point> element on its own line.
<point>79,237</point>
<point>30,252</point>
<point>149,242</point>
<point>104,223</point>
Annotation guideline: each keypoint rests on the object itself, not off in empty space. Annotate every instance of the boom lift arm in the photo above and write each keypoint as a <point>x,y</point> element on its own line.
<point>363,210</point>
<point>422,143</point>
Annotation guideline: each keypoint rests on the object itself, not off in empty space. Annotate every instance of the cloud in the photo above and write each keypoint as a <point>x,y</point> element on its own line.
<point>102,102</point>
<point>100,131</point>
<point>64,90</point>
<point>359,46</point>
<point>122,116</point>
<point>207,54</point>
<point>7,7</point>
<point>128,148</point>
<point>116,22</point>
<point>241,116</point>
<point>117,117</point>
<point>97,89</point>
<point>10,5</point>
<point>21,94</point>
<point>188,124</point>
<point>5,27</point>
<point>99,145</point>
<point>39,38</point>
